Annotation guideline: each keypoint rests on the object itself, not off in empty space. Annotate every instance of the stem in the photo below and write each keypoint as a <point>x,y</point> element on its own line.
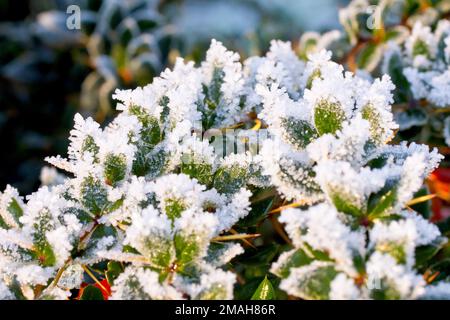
<point>238,236</point>
<point>291,205</point>
<point>93,277</point>
<point>243,240</point>
<point>420,199</point>
<point>279,229</point>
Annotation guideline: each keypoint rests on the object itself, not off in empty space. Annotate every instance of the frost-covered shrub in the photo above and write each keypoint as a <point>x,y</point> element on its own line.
<point>423,65</point>
<point>336,258</point>
<point>151,200</point>
<point>330,132</point>
<point>326,114</point>
<point>143,190</point>
<point>409,40</point>
<point>361,242</point>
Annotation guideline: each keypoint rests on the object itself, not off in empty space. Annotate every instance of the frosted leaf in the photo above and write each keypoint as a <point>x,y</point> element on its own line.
<point>389,280</point>
<point>441,291</point>
<point>5,293</point>
<point>214,285</point>
<point>347,188</point>
<point>221,253</point>
<point>151,234</point>
<point>141,284</point>
<point>72,277</point>
<point>11,205</point>
<point>310,282</point>
<point>344,288</point>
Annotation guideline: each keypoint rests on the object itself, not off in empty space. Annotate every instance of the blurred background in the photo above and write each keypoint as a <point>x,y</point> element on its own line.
<point>49,72</point>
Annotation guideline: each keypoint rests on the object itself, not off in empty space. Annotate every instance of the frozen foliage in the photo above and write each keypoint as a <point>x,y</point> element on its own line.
<point>408,40</point>
<point>337,116</point>
<point>154,197</point>
<point>142,191</point>
<point>341,256</point>
<point>426,62</point>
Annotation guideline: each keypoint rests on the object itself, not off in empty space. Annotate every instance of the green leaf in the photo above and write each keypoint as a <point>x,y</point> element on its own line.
<point>3,224</point>
<point>230,179</point>
<point>44,252</point>
<point>259,211</point>
<point>377,129</point>
<point>200,171</point>
<point>397,251</point>
<point>113,270</point>
<point>215,292</point>
<point>173,208</point>
<point>213,96</point>
<point>317,254</point>
<point>187,249</point>
<point>216,251</point>
<point>89,145</point>
<point>100,232</point>
<point>345,206</point>
<point>155,162</point>
<point>92,293</point>
<point>159,251</point>
<point>265,291</point>
<point>299,132</point>
<point>411,117</point>
<point>115,168</point>
<point>263,256</point>
<point>386,291</point>
<point>214,89</point>
<point>308,43</point>
<point>328,117</point>
<point>395,70</point>
<point>151,132</point>
<point>292,259</point>
<point>381,202</point>
<point>16,288</point>
<point>370,56</point>
<point>15,210</point>
<point>94,195</point>
<point>420,48</point>
<point>423,208</point>
<point>316,284</point>
<point>359,263</point>
<point>425,253</point>
<point>314,75</point>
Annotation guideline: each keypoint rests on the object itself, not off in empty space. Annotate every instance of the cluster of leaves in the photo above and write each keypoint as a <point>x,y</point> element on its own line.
<point>121,44</point>
<point>151,201</point>
<point>407,40</point>
<point>130,201</point>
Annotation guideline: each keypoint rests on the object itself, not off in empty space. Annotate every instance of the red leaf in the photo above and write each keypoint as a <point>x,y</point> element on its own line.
<point>439,183</point>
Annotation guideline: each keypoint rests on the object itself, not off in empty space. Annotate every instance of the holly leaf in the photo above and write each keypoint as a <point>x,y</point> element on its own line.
<point>314,285</point>
<point>289,260</point>
<point>91,293</point>
<point>370,56</point>
<point>328,117</point>
<point>113,270</point>
<point>265,291</point>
